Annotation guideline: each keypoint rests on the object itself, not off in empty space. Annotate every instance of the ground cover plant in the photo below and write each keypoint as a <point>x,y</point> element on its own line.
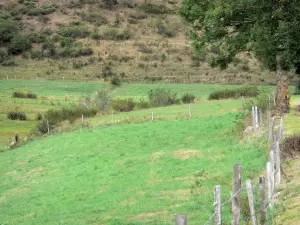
<point>130,174</point>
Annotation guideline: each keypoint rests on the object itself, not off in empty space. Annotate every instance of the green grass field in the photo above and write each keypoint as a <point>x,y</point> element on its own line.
<point>57,94</point>
<point>126,174</point>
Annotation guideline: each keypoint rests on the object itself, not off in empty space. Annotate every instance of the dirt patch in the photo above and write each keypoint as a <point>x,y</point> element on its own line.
<point>187,154</point>
<point>189,138</point>
<point>177,194</point>
<point>11,173</point>
<point>32,173</point>
<point>156,156</point>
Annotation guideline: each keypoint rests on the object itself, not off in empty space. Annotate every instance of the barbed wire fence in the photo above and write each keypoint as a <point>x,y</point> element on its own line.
<point>273,175</point>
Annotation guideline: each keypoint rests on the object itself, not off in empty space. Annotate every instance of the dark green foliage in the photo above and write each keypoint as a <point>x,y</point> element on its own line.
<point>234,93</point>
<point>9,62</point>
<point>3,56</point>
<point>107,71</point>
<point>166,30</point>
<point>24,95</point>
<point>162,97</point>
<point>266,28</point>
<point>38,37</point>
<point>74,32</point>
<point>75,52</point>
<point>43,10</point>
<point>290,147</point>
<point>188,98</point>
<point>111,33</point>
<point>154,9</point>
<point>8,29</point>
<point>39,116</point>
<point>55,117</point>
<point>49,48</point>
<point>123,105</point>
<point>109,3</point>
<point>16,116</point>
<point>79,64</point>
<point>137,15</point>
<point>19,44</point>
<point>116,81</point>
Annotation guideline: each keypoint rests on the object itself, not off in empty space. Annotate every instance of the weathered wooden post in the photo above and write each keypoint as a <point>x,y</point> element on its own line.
<point>253,117</point>
<point>272,168</point>
<point>270,190</point>
<point>190,112</point>
<point>272,129</point>
<point>180,219</point>
<point>152,116</point>
<point>260,121</point>
<point>236,191</point>
<point>48,127</point>
<point>278,164</point>
<point>269,123</point>
<point>82,120</point>
<point>217,205</point>
<point>251,202</point>
<point>263,206</point>
<point>269,98</point>
<point>280,130</point>
<point>274,101</point>
<point>16,137</point>
<point>256,119</point>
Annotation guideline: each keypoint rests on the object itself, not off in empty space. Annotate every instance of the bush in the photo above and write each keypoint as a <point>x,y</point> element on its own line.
<point>95,17</point>
<point>19,44</point>
<point>37,37</point>
<point>3,56</point>
<point>110,33</point>
<point>138,15</point>
<point>39,116</point>
<point>9,62</point>
<point>154,9</point>
<point>74,32</point>
<point>116,81</point>
<point>291,146</point>
<point>16,116</point>
<point>43,10</point>
<point>142,104</point>
<point>103,100</point>
<point>55,117</point>
<point>234,93</point>
<point>162,97</point>
<point>24,95</point>
<point>8,29</point>
<point>166,30</point>
<point>188,98</point>
<point>123,105</point>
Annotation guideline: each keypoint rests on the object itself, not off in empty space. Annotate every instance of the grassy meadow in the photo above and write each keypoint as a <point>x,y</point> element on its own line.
<point>58,94</point>
<point>126,173</point>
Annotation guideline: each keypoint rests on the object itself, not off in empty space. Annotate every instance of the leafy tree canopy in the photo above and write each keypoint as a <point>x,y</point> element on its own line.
<point>267,28</point>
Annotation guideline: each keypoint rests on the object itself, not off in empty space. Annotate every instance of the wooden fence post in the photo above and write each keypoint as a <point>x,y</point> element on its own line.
<point>48,127</point>
<point>269,124</point>
<point>278,164</point>
<point>82,120</point>
<point>260,121</point>
<point>274,101</point>
<point>272,168</point>
<point>217,205</point>
<point>262,194</point>
<point>270,190</point>
<point>190,112</point>
<point>251,202</point>
<point>180,219</point>
<point>236,191</point>
<point>253,117</point>
<point>152,116</point>
<point>272,129</point>
<point>256,119</point>
<point>280,130</point>
<point>269,98</point>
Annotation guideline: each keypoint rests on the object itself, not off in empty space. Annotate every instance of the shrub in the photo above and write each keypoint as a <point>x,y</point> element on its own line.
<point>116,81</point>
<point>37,37</point>
<point>9,62</point>
<point>43,10</point>
<point>138,15</point>
<point>234,93</point>
<point>8,29</point>
<point>55,117</point>
<point>110,33</point>
<point>188,98</point>
<point>24,95</point>
<point>166,30</point>
<point>95,17</point>
<point>39,116</point>
<point>291,146</point>
<point>162,97</point>
<point>142,104</point>
<point>123,105</point>
<point>19,44</point>
<point>16,116</point>
<point>154,9</point>
<point>74,32</point>
<point>3,56</point>
<point>103,100</point>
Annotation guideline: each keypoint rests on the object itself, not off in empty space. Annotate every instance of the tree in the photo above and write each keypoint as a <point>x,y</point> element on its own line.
<point>268,29</point>
<point>109,3</point>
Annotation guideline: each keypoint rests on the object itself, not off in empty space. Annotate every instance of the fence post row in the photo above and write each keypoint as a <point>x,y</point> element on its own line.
<point>180,219</point>
<point>236,187</point>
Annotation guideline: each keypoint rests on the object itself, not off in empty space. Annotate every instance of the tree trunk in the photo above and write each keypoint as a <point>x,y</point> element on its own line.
<point>282,95</point>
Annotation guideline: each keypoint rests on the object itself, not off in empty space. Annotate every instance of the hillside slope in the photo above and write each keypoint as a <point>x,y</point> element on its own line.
<point>83,40</point>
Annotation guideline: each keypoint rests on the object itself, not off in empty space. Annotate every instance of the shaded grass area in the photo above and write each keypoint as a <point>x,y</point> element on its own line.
<point>126,174</point>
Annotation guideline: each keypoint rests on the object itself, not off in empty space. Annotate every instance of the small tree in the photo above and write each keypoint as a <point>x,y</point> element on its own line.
<point>19,44</point>
<point>103,100</point>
